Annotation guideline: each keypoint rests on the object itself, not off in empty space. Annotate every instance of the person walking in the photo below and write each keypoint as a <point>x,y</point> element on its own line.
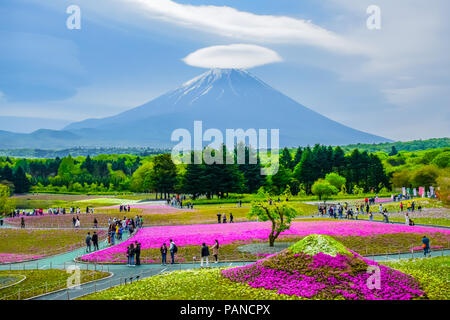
<point>215,251</point>
<point>95,223</point>
<point>173,249</point>
<point>77,223</point>
<point>112,232</point>
<point>426,246</point>
<point>231,218</point>
<point>163,250</point>
<point>205,255</point>
<point>88,242</point>
<point>74,221</point>
<point>224,218</point>
<point>138,253</point>
<point>407,218</point>
<point>218,217</point>
<point>385,215</point>
<point>22,223</point>
<point>120,232</point>
<point>95,240</point>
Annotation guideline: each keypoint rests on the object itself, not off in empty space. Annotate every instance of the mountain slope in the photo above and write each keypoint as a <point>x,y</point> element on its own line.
<point>224,99</point>
<point>39,139</point>
<point>220,98</point>
<point>30,124</point>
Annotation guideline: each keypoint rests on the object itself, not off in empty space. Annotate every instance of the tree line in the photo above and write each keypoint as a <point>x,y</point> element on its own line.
<point>298,170</point>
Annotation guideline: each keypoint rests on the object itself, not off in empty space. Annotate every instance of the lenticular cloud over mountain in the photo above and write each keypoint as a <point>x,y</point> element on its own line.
<point>240,56</point>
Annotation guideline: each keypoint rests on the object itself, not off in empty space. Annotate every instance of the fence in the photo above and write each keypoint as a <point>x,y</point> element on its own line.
<point>48,286</point>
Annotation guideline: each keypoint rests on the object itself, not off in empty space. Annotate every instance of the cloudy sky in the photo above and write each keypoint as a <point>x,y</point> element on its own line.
<point>393,82</point>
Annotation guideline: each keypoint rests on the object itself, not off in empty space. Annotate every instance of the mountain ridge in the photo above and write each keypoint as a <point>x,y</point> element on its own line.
<point>221,99</point>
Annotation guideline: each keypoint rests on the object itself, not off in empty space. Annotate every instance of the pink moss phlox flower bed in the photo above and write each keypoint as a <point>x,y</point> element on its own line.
<point>13,257</point>
<point>325,277</point>
<point>147,208</point>
<point>142,206</point>
<point>184,235</point>
<point>45,214</point>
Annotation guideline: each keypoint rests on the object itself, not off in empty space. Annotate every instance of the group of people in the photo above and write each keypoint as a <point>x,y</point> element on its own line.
<point>50,211</point>
<point>134,252</point>
<point>204,252</point>
<point>118,226</point>
<point>177,202</point>
<point>340,210</point>
<point>91,240</point>
<point>76,222</point>
<point>410,206</point>
<point>222,218</point>
<point>344,211</point>
<point>124,208</point>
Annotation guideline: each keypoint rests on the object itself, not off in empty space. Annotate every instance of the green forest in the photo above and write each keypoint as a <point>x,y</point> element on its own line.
<point>318,170</point>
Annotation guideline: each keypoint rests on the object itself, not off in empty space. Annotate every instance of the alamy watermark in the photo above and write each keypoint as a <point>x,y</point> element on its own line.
<point>374,281</point>
<point>74,20</point>
<point>74,280</point>
<point>235,140</point>
<point>373,22</point>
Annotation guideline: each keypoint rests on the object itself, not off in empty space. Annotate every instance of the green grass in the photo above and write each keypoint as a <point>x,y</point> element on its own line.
<point>36,280</point>
<point>41,242</point>
<point>315,243</point>
<point>197,284</point>
<point>432,273</point>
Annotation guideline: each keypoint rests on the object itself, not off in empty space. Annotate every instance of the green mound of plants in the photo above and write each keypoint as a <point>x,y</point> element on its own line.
<point>318,243</point>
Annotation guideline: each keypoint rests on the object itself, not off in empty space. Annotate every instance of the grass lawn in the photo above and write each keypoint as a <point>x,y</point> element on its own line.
<point>432,273</point>
<point>22,244</point>
<point>37,280</point>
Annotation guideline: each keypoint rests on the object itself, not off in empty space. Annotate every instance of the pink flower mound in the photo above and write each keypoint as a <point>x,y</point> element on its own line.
<point>184,235</point>
<point>13,257</point>
<point>325,277</point>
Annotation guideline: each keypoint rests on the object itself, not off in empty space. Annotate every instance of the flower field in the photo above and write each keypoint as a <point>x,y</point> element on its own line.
<point>320,267</point>
<point>294,274</point>
<point>190,237</point>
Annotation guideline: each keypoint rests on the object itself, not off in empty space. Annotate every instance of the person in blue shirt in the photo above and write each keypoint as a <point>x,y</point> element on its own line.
<point>426,246</point>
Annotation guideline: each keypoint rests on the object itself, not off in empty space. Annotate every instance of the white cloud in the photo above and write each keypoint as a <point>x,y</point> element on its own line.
<point>232,23</point>
<point>407,97</point>
<point>243,56</point>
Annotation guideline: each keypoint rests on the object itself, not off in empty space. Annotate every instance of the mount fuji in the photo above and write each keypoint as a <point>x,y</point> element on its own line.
<point>220,98</point>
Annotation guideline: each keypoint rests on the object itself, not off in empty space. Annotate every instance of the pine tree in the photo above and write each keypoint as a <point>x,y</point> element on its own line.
<point>21,182</point>
<point>286,159</point>
<point>298,156</point>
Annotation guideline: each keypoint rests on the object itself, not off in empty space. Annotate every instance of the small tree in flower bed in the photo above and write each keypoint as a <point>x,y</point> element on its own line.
<point>279,213</point>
